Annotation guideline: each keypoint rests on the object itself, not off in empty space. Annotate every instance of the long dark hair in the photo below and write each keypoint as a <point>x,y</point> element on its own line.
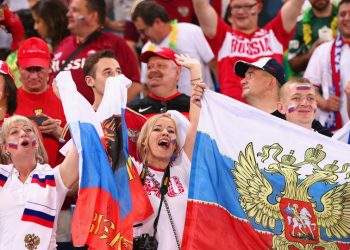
<point>54,14</point>
<point>11,94</point>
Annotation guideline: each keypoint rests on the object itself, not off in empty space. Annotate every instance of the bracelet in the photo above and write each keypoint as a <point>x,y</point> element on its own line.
<point>63,134</point>
<point>196,79</point>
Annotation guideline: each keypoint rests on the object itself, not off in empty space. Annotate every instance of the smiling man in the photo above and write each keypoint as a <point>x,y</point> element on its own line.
<point>162,80</point>
<point>261,85</point>
<point>244,40</point>
<point>298,102</point>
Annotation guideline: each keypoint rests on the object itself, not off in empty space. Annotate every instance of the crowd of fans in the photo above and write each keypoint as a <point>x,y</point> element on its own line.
<point>294,66</point>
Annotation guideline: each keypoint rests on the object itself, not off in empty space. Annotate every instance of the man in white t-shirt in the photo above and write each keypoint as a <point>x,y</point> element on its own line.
<point>152,21</point>
<point>328,69</point>
<point>244,40</point>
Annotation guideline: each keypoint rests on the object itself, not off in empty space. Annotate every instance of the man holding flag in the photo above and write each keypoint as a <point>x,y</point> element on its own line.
<point>102,217</point>
<point>266,183</point>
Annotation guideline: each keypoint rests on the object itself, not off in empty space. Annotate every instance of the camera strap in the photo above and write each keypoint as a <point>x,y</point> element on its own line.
<point>163,191</point>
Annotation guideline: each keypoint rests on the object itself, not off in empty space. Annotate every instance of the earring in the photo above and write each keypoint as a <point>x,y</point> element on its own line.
<point>8,153</point>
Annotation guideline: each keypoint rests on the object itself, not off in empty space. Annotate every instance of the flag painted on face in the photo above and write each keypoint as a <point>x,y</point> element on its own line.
<point>103,215</point>
<point>266,183</point>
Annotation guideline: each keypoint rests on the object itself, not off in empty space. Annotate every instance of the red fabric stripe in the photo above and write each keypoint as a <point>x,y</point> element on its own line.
<point>336,82</point>
<point>2,183</point>
<point>51,183</point>
<point>37,220</point>
<point>212,227</point>
<point>95,210</point>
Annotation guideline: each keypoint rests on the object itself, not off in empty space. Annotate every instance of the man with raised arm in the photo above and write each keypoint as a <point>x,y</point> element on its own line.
<point>244,40</point>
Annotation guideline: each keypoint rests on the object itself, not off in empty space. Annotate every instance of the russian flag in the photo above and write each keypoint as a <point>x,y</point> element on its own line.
<point>3,179</point>
<point>259,182</point>
<point>104,213</point>
<point>43,182</point>
<point>98,212</point>
<point>40,214</point>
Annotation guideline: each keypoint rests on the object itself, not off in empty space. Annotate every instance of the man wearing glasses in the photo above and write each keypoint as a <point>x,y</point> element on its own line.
<point>244,40</point>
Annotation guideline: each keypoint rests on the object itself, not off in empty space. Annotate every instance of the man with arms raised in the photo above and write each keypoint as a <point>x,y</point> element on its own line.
<point>97,69</point>
<point>245,40</point>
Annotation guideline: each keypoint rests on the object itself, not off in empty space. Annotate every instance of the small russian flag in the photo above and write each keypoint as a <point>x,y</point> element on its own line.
<point>291,108</point>
<point>43,182</point>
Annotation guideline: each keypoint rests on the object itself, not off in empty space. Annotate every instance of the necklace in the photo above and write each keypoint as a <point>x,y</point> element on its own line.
<point>172,37</point>
<point>307,25</point>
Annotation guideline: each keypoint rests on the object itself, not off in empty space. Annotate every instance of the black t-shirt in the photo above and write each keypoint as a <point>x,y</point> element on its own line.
<point>152,104</point>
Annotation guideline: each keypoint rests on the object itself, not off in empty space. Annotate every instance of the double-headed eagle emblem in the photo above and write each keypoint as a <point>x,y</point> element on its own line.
<point>302,217</point>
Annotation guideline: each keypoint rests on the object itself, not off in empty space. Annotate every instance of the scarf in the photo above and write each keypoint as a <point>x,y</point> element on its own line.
<point>335,121</point>
<point>37,222</point>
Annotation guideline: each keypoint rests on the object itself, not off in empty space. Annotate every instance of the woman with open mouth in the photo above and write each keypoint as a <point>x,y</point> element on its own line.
<point>31,192</point>
<point>165,147</point>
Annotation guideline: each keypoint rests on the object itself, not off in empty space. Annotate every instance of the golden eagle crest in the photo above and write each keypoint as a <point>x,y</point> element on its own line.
<point>302,217</point>
<point>31,241</point>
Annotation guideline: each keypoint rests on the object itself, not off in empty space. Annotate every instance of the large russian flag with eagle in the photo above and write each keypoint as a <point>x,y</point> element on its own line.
<point>259,182</point>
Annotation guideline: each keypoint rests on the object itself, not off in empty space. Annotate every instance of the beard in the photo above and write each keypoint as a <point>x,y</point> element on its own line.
<point>320,5</point>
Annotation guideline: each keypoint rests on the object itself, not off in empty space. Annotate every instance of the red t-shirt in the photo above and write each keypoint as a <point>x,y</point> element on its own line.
<point>230,45</point>
<point>125,57</point>
<point>47,103</point>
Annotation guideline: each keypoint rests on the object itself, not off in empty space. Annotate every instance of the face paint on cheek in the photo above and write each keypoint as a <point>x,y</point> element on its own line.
<point>291,108</point>
<point>173,140</point>
<point>303,87</point>
<point>34,142</point>
<point>13,145</point>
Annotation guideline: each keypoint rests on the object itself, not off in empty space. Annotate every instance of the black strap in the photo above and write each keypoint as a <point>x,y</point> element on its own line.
<point>91,37</point>
<point>163,190</point>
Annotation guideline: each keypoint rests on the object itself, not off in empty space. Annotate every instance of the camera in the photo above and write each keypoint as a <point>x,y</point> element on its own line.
<point>145,242</point>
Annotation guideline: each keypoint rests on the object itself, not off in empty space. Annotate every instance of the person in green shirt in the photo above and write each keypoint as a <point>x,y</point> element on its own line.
<point>321,17</point>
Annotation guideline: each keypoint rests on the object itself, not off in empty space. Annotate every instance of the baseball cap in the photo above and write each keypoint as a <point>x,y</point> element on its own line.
<point>34,52</point>
<point>163,52</point>
<point>267,64</point>
<point>4,69</point>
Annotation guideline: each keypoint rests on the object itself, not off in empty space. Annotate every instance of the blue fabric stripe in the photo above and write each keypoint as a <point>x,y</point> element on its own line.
<point>97,171</point>
<point>47,177</point>
<point>39,214</point>
<point>3,177</point>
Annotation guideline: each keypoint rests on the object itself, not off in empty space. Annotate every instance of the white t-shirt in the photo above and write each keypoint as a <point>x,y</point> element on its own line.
<point>319,72</point>
<point>190,41</point>
<point>176,197</point>
<point>13,197</point>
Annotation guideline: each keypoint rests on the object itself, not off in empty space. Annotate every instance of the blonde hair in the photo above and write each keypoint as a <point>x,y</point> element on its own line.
<point>40,152</point>
<point>143,140</point>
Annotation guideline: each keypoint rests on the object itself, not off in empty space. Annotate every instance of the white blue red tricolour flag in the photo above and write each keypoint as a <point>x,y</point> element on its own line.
<point>259,182</point>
